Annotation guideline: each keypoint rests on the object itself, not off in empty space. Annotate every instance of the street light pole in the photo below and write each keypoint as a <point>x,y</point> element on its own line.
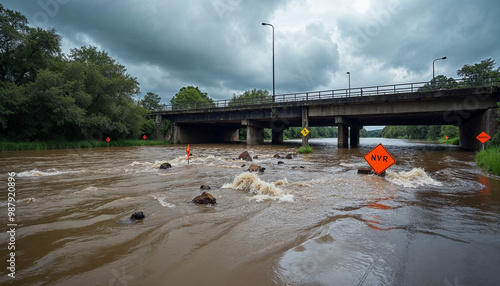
<point>443,58</point>
<point>274,86</point>
<point>349,73</point>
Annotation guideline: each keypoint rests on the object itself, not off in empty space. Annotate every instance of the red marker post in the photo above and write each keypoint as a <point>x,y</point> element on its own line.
<point>144,137</point>
<point>188,152</point>
<point>107,140</point>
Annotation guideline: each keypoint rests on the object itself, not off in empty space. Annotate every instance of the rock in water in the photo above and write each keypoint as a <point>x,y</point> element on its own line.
<point>204,199</point>
<point>137,215</point>
<point>255,168</point>
<point>256,157</point>
<point>280,162</point>
<point>277,155</point>
<point>245,156</point>
<point>369,172</point>
<point>165,166</point>
<point>205,187</point>
<point>289,156</point>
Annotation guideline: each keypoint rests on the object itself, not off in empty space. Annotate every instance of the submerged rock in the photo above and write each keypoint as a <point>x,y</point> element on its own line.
<point>205,187</point>
<point>245,156</point>
<point>137,216</point>
<point>369,171</point>
<point>256,157</point>
<point>204,199</point>
<point>255,168</point>
<point>277,155</point>
<point>165,166</point>
<point>280,162</point>
<point>289,156</point>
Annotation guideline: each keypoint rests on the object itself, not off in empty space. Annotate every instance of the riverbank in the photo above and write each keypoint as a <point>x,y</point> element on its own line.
<point>489,160</point>
<point>50,145</point>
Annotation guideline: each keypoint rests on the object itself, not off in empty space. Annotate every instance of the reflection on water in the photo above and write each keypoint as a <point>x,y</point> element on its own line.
<point>433,220</point>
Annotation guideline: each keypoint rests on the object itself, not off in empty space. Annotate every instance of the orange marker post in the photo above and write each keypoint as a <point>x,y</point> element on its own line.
<point>483,137</point>
<point>107,140</point>
<point>188,152</point>
<point>379,159</point>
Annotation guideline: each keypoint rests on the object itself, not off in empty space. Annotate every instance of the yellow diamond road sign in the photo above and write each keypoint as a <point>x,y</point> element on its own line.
<point>304,131</point>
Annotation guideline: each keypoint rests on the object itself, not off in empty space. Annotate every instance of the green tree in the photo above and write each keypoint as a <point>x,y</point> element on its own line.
<point>255,96</point>
<point>191,97</point>
<point>24,50</point>
<point>439,82</point>
<point>478,74</point>
<point>450,131</point>
<point>151,101</point>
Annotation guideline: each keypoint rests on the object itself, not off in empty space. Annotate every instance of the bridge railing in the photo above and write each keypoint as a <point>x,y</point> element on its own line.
<point>337,93</point>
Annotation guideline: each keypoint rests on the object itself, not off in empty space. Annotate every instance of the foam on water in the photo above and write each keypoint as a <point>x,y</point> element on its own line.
<point>163,202</point>
<point>36,173</point>
<point>411,179</point>
<point>261,190</point>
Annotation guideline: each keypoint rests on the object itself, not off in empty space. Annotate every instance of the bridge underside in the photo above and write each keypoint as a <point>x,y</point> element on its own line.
<point>474,111</point>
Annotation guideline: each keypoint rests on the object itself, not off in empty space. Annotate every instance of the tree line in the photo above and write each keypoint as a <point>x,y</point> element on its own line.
<point>46,95</point>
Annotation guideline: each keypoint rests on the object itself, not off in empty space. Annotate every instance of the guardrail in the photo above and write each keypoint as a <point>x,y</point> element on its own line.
<point>336,93</point>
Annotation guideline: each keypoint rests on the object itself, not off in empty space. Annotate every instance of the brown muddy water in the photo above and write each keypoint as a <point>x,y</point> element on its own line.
<point>433,220</point>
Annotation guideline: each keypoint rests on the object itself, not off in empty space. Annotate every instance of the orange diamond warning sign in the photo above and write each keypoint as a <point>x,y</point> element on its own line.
<point>483,137</point>
<point>379,159</point>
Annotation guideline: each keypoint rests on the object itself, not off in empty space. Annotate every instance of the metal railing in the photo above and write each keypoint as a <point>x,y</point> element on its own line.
<point>336,93</point>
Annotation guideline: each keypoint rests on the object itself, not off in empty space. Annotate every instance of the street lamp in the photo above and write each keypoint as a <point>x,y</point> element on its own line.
<point>274,91</point>
<point>443,58</point>
<point>349,73</point>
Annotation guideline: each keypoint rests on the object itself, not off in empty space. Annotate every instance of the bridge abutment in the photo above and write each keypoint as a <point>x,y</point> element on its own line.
<point>470,129</point>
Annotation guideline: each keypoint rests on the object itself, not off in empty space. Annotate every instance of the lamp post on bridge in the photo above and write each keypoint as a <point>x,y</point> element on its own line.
<point>349,74</point>
<point>274,91</point>
<point>443,58</point>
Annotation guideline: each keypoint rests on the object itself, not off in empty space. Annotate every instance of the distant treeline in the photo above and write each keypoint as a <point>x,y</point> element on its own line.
<point>429,132</point>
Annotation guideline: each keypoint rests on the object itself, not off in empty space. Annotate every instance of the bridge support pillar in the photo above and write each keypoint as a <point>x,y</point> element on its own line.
<point>255,132</point>
<point>277,137</point>
<point>158,125</point>
<point>354,134</point>
<point>484,122</point>
<point>343,137</point>
<point>305,124</point>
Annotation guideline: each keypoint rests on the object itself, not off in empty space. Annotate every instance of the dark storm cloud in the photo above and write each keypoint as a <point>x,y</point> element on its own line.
<point>221,46</point>
<point>411,34</point>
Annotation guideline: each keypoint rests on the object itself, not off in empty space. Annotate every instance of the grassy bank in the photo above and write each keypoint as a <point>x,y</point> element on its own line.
<point>489,160</point>
<point>24,146</point>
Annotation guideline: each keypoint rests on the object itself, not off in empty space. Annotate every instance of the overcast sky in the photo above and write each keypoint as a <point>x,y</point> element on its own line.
<point>221,46</point>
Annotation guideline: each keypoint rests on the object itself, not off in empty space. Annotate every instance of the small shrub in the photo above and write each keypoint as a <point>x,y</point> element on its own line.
<point>305,149</point>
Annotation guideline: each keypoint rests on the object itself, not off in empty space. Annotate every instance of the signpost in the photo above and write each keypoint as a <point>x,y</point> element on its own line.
<point>304,132</point>
<point>188,152</point>
<point>483,137</point>
<point>379,159</point>
<point>107,140</point>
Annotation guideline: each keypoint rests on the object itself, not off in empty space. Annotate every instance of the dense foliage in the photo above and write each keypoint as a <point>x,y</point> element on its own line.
<point>45,95</point>
<point>191,97</point>
<point>251,97</point>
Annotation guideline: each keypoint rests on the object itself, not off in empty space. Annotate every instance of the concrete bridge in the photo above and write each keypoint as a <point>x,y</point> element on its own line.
<point>473,108</point>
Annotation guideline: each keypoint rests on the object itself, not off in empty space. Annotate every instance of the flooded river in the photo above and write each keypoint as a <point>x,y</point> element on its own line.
<point>433,220</point>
